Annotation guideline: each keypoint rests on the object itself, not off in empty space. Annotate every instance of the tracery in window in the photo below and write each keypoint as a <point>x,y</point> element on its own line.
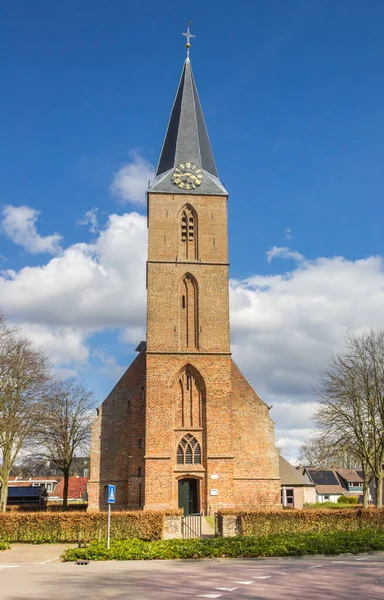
<point>188,233</point>
<point>188,451</point>
<point>188,313</point>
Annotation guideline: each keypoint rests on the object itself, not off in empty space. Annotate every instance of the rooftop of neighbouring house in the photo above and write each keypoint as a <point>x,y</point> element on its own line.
<point>77,487</point>
<point>291,476</point>
<point>350,475</point>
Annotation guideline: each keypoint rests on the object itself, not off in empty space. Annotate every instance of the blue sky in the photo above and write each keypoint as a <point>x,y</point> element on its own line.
<point>293,97</point>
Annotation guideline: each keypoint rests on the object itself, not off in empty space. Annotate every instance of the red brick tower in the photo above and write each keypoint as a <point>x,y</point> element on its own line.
<point>183,428</point>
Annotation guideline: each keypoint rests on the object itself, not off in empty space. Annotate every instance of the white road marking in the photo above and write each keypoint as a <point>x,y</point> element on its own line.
<point>208,595</point>
<point>245,582</point>
<point>9,566</point>
<point>316,567</point>
<point>264,577</point>
<point>227,589</point>
<point>47,561</point>
<point>364,558</point>
<point>337,562</point>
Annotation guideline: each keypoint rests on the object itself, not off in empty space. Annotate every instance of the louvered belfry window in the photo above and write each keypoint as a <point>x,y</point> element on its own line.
<point>188,451</point>
<point>188,232</point>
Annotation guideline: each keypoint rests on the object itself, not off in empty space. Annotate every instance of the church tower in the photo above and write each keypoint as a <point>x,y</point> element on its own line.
<point>183,428</point>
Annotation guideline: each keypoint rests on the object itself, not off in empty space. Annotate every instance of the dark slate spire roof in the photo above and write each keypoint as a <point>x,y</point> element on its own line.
<point>187,140</point>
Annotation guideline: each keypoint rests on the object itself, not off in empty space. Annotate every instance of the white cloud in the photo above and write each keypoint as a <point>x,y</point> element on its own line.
<point>285,328</point>
<point>64,345</point>
<point>283,252</point>
<point>90,286</point>
<point>90,218</point>
<point>130,182</point>
<point>19,224</point>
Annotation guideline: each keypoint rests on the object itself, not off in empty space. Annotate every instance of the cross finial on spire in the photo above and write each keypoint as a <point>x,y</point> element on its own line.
<point>188,35</point>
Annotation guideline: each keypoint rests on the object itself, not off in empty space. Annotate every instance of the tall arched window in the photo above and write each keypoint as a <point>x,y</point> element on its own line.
<point>188,233</point>
<point>188,451</point>
<point>189,399</point>
<point>188,313</point>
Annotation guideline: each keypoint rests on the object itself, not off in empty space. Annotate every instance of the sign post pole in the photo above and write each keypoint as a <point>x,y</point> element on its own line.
<point>109,527</point>
<point>111,500</point>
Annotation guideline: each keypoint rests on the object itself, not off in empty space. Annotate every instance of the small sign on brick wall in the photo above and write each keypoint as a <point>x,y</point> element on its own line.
<point>214,492</point>
<point>214,476</point>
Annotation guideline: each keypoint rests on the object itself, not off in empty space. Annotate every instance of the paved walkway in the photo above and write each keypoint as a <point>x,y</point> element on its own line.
<point>317,578</point>
<point>35,554</point>
<point>206,530</point>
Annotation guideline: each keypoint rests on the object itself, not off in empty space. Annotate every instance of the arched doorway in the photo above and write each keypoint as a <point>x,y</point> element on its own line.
<point>189,497</point>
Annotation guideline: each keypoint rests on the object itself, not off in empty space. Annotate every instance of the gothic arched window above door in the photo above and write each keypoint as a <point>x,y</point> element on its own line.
<point>188,451</point>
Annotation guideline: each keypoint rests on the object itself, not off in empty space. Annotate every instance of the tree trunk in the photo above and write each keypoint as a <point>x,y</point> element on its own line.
<point>367,476</point>
<point>65,492</point>
<point>3,494</point>
<point>379,491</point>
<point>5,470</point>
<point>366,494</point>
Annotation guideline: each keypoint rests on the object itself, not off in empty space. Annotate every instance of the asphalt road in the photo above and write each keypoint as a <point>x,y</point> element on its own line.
<point>331,578</point>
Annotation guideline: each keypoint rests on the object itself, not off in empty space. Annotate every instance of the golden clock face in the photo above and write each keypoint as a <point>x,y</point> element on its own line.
<point>187,176</point>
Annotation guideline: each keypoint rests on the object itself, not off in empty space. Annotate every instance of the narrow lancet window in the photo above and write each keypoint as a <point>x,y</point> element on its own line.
<point>190,397</point>
<point>188,233</point>
<point>188,315</point>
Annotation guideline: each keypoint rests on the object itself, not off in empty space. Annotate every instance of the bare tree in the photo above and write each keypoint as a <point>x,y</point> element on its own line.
<point>351,410</point>
<point>65,429</point>
<point>24,373</point>
<point>322,451</point>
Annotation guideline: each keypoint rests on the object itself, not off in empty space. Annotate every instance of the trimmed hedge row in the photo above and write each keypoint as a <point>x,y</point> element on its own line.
<point>309,521</point>
<point>70,527</point>
<point>4,545</point>
<point>239,547</point>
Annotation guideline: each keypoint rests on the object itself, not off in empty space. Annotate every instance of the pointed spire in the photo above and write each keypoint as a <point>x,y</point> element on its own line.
<point>187,141</point>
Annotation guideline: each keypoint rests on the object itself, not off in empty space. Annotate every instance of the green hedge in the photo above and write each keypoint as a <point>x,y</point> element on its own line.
<point>310,521</point>
<point>4,545</point>
<point>69,527</point>
<point>238,547</point>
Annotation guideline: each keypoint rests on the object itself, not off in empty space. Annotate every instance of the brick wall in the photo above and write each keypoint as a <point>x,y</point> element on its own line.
<point>115,453</point>
<point>256,465</point>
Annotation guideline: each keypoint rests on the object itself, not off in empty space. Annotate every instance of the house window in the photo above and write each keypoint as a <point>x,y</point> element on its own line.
<point>188,451</point>
<point>326,498</point>
<point>140,442</point>
<point>290,497</point>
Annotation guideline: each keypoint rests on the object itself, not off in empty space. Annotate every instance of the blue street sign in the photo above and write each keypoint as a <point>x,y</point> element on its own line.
<point>111,493</point>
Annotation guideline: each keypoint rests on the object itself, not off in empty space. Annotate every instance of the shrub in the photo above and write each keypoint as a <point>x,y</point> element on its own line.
<point>352,500</point>
<point>342,499</point>
<point>238,547</point>
<point>4,545</point>
<point>309,521</point>
<point>323,505</point>
<point>69,527</point>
